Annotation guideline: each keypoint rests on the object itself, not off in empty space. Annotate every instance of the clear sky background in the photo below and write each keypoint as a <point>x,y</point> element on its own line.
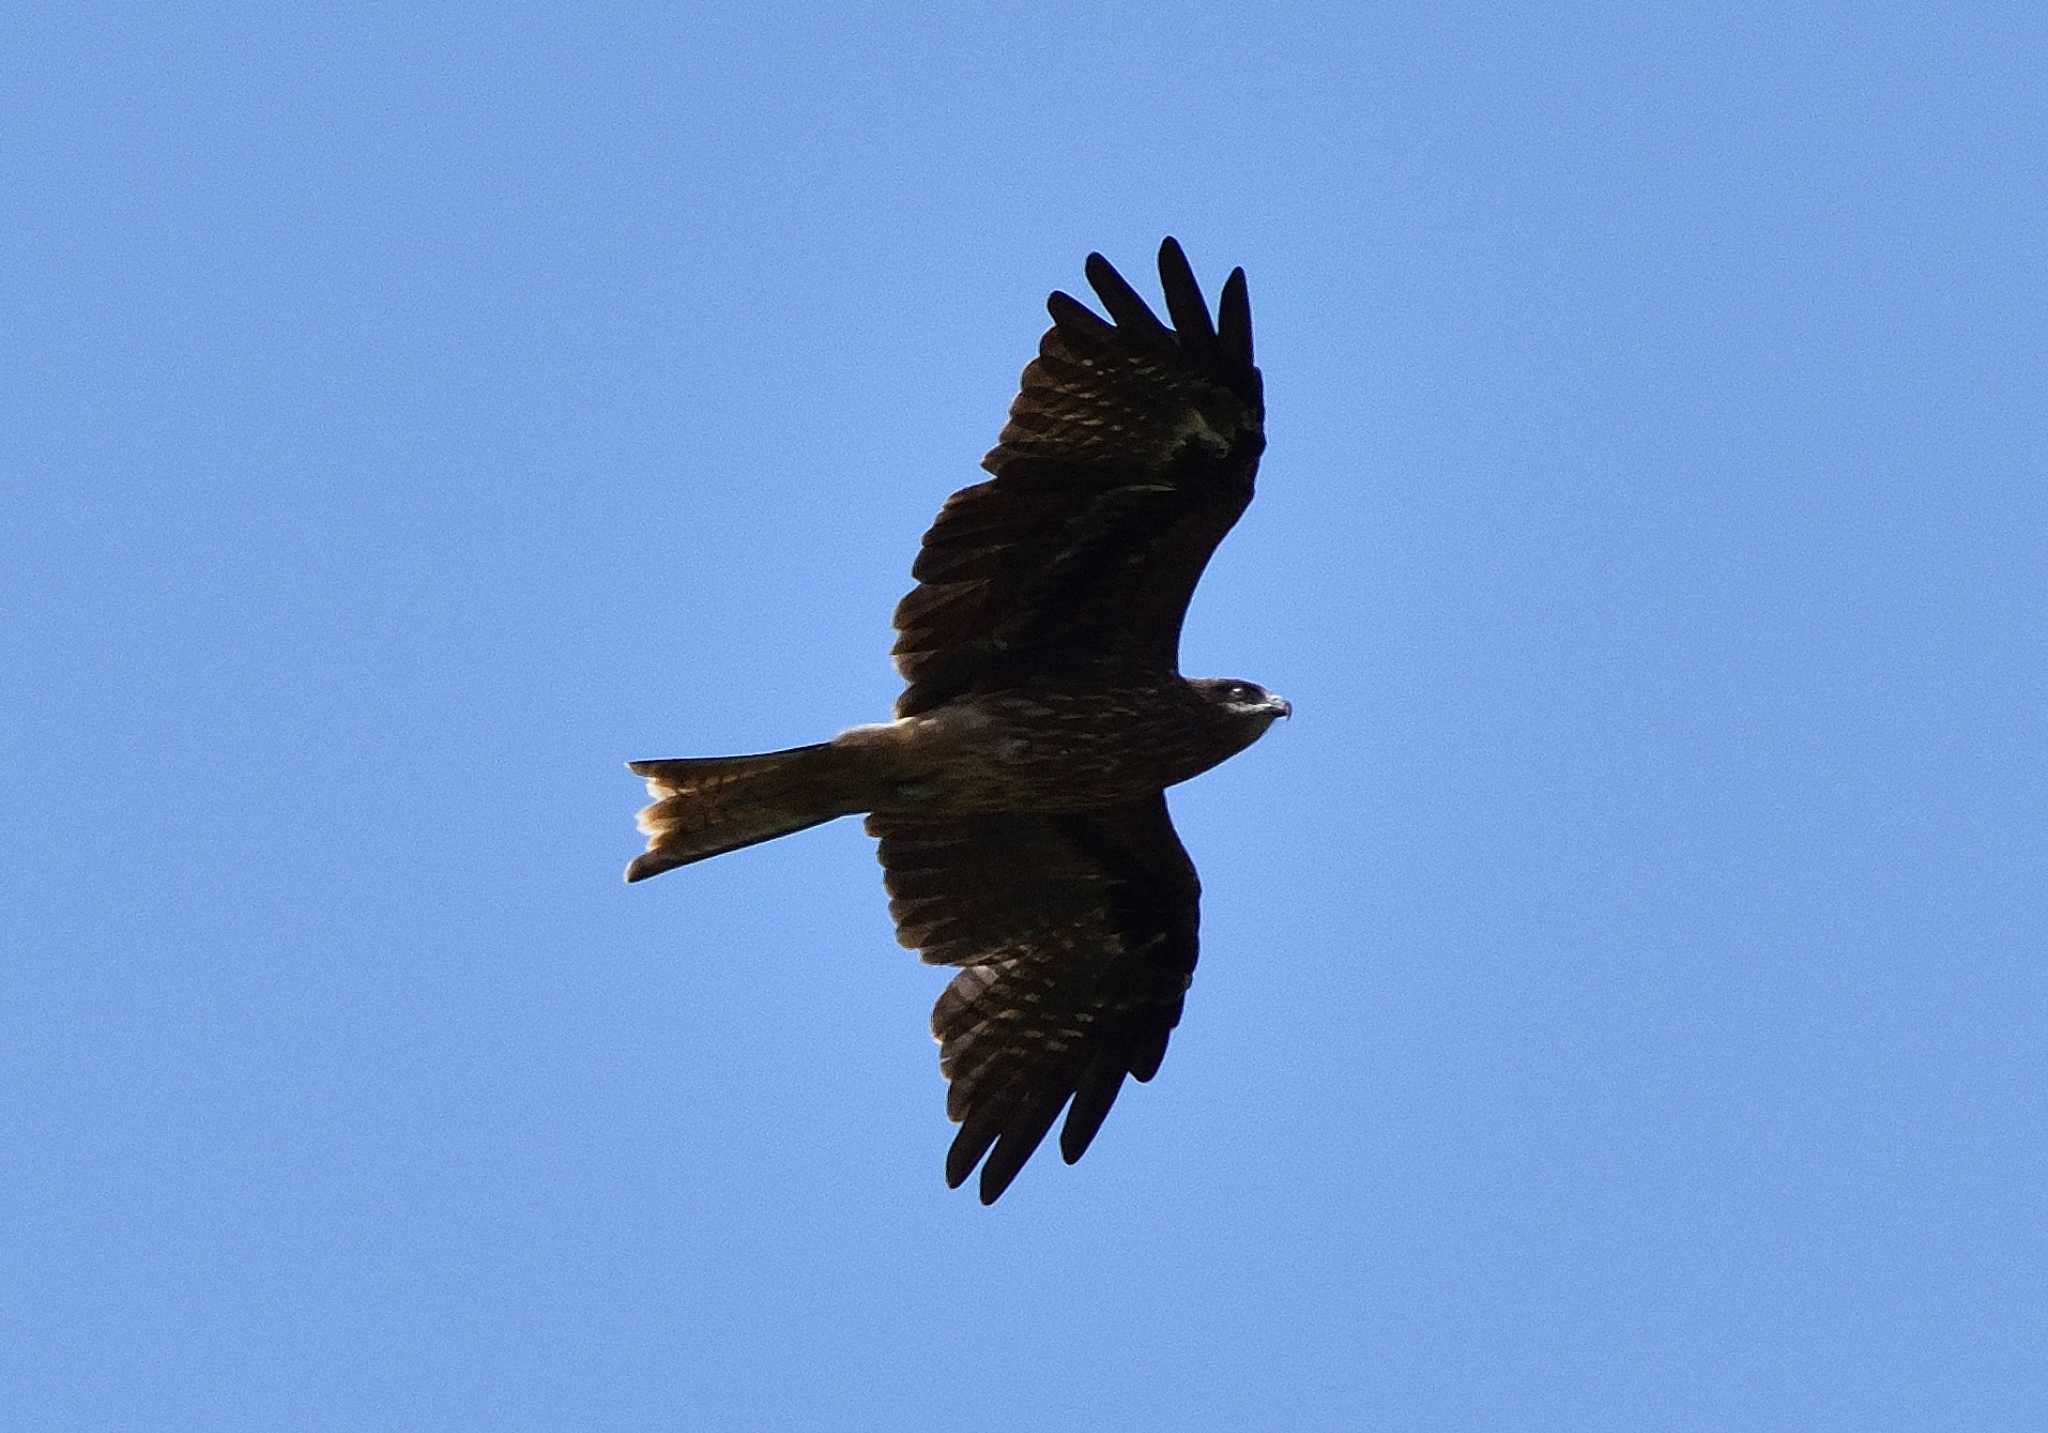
<point>1622,1002</point>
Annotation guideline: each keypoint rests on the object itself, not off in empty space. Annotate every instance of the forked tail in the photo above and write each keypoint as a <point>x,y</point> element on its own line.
<point>706,806</point>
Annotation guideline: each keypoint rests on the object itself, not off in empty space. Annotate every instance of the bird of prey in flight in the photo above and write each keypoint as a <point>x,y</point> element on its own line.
<point>1018,794</point>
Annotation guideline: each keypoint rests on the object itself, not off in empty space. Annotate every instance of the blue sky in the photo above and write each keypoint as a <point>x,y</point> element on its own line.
<point>1622,1001</point>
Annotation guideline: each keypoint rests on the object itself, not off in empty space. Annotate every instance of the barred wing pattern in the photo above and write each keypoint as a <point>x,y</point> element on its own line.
<point>1077,932</point>
<point>1129,453</point>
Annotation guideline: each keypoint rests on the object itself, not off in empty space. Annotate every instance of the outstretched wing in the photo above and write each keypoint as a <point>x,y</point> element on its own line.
<point>1129,452</point>
<point>1077,931</point>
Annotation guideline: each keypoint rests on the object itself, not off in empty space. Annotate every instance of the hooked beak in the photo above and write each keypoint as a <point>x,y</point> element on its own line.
<point>1285,707</point>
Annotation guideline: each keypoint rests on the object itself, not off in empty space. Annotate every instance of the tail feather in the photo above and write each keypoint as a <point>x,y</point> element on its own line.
<point>706,806</point>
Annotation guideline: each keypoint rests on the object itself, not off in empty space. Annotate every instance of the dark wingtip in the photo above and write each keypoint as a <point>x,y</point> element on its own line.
<point>1022,1133</point>
<point>1126,308</point>
<point>977,1132</point>
<point>1174,267</point>
<point>997,1176</point>
<point>1173,260</point>
<point>1234,319</point>
<point>1185,304</point>
<point>1075,1139</point>
<point>1094,1093</point>
<point>1069,312</point>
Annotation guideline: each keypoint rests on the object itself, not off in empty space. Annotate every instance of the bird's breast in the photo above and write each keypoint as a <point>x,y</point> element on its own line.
<point>1058,749</point>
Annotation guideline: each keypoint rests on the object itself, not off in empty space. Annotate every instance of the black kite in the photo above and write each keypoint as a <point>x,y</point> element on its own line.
<point>1017,794</point>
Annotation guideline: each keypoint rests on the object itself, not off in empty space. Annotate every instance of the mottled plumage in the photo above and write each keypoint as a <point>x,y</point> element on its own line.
<point>1017,796</point>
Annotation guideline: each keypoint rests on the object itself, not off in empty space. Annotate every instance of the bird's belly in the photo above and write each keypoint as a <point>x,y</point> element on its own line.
<point>1040,754</point>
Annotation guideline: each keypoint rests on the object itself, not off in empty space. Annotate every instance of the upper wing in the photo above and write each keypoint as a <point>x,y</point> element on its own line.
<point>1077,931</point>
<point>1129,453</point>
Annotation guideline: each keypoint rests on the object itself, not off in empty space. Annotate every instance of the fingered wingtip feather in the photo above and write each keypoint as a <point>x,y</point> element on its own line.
<point>1095,1092</point>
<point>1123,302</point>
<point>1234,319</point>
<point>1069,312</point>
<point>1184,302</point>
<point>994,1181</point>
<point>977,1132</point>
<point>1021,1136</point>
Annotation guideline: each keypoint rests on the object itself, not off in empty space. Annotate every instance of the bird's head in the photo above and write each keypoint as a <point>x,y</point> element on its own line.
<point>1244,708</point>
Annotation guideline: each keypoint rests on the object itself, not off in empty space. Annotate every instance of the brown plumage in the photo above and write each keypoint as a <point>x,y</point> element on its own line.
<point>1017,796</point>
